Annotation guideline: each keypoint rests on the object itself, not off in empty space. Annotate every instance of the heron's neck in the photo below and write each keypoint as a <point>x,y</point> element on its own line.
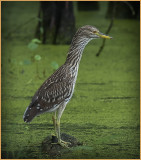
<point>75,51</point>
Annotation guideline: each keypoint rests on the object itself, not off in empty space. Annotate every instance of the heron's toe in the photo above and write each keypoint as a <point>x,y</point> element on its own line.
<point>64,144</point>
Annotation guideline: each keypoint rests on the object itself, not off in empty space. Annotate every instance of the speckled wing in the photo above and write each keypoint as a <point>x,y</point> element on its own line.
<point>56,90</point>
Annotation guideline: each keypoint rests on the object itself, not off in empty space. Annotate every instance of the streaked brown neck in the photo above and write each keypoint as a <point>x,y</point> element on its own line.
<point>76,49</point>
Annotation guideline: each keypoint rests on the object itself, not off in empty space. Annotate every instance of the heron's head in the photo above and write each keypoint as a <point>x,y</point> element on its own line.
<point>91,32</point>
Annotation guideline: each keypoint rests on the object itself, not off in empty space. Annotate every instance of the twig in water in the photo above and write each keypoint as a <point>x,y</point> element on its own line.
<point>108,30</point>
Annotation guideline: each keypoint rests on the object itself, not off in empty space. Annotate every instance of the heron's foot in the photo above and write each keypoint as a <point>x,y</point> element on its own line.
<point>64,144</point>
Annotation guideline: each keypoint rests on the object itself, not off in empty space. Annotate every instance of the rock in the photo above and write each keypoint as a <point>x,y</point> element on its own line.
<point>55,150</point>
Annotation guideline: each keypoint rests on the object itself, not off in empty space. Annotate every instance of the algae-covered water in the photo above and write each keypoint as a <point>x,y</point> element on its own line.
<point>104,112</point>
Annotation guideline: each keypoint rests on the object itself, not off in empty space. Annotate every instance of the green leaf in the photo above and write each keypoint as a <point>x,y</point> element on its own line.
<point>35,40</point>
<point>32,45</point>
<point>54,65</point>
<point>37,57</point>
<point>26,62</point>
<point>26,127</point>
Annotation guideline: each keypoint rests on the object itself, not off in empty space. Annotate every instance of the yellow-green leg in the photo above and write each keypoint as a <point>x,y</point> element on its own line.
<point>55,124</point>
<point>61,142</point>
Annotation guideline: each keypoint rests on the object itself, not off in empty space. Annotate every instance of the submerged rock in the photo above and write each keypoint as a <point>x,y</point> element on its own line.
<point>56,150</point>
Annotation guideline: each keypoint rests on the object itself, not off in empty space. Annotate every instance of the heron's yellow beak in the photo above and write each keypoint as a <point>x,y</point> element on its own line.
<point>103,35</point>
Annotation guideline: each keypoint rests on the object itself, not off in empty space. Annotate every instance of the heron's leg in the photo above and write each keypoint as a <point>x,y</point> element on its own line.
<point>60,112</point>
<point>54,123</point>
<point>58,130</point>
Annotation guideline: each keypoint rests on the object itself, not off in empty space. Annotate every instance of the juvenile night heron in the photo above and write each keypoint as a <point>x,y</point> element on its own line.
<point>57,90</point>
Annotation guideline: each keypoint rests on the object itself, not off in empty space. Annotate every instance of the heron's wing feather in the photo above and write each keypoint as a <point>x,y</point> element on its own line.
<point>54,91</point>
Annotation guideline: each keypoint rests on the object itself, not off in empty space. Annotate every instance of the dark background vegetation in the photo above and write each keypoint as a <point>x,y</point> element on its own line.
<point>104,110</point>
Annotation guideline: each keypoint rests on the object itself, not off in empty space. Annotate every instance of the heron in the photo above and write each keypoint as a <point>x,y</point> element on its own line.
<point>54,94</point>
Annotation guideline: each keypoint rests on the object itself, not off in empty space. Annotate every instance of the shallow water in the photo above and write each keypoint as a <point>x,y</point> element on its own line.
<point>104,110</point>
